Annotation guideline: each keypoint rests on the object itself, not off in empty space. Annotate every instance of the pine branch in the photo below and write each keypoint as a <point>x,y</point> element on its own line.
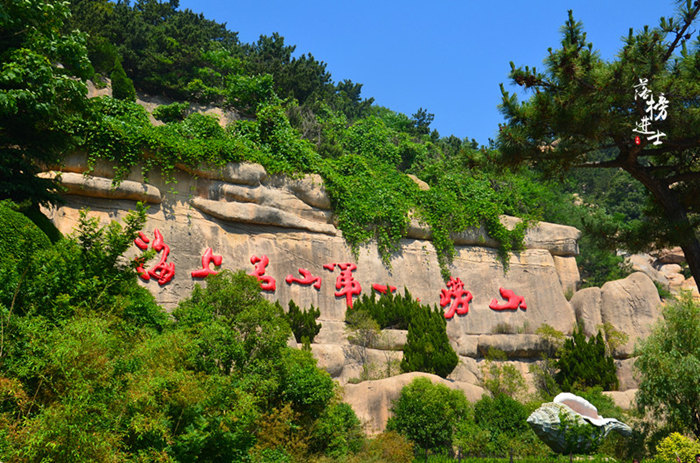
<point>681,34</point>
<point>600,164</point>
<point>684,177</point>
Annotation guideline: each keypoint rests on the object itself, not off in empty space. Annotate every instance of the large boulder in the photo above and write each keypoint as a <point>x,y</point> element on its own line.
<point>631,305</point>
<point>586,305</point>
<point>645,263</point>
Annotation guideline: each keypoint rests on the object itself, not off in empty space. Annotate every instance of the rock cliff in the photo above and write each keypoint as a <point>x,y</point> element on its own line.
<point>284,226</point>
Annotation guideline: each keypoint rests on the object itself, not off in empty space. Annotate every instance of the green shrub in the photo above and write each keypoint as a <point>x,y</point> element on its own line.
<point>171,112</point>
<point>427,346</point>
<point>500,377</point>
<point>677,446</point>
<point>428,414</point>
<point>303,322</point>
<point>102,54</point>
<point>584,363</point>
<point>20,237</point>
<point>337,431</point>
<point>389,311</point>
<point>122,86</point>
<point>501,415</point>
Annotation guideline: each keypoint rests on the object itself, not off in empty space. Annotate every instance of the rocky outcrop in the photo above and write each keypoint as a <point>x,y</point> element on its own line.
<point>240,211</point>
<point>99,187</point>
<point>630,305</point>
<point>586,305</point>
<point>645,263</point>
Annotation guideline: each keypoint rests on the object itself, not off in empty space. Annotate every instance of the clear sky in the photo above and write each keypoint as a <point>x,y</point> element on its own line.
<point>447,56</point>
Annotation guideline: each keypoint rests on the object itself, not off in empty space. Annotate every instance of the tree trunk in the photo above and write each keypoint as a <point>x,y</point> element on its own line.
<point>676,215</point>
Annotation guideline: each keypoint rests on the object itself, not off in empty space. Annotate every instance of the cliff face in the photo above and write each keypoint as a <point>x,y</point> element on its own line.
<point>245,216</point>
<point>240,212</point>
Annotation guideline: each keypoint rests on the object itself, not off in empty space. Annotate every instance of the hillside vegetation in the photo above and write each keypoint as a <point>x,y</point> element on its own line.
<point>92,369</point>
<point>293,118</point>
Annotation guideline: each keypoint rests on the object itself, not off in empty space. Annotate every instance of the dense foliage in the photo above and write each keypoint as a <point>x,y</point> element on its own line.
<point>303,322</point>
<point>669,363</point>
<point>91,369</point>
<point>585,363</point>
<point>41,91</point>
<point>428,414</point>
<point>585,112</point>
<point>427,347</point>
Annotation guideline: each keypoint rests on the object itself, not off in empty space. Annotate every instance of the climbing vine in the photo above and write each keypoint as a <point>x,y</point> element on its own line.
<point>372,198</point>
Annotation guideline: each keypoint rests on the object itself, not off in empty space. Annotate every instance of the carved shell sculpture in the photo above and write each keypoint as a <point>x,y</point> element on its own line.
<point>571,424</point>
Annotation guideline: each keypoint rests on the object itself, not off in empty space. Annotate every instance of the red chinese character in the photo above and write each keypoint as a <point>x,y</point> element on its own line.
<point>307,280</point>
<point>383,288</point>
<point>345,280</point>
<point>267,283</point>
<point>455,289</point>
<point>512,301</point>
<point>163,271</point>
<point>207,259</point>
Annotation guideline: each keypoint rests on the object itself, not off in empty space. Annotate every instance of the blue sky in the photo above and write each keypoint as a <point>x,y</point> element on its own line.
<point>447,56</point>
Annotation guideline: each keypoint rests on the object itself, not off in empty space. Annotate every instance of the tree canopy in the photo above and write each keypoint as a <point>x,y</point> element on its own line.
<point>584,112</point>
<point>40,92</point>
<point>669,363</point>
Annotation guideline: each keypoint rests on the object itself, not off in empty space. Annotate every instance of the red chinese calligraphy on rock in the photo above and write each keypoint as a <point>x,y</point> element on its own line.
<point>267,283</point>
<point>462,297</point>
<point>345,283</point>
<point>163,271</point>
<point>383,288</point>
<point>207,259</point>
<point>307,280</point>
<point>512,301</point>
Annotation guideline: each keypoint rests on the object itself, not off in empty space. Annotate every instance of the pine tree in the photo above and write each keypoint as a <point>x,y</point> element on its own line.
<point>587,112</point>
<point>303,322</point>
<point>122,86</point>
<point>584,363</point>
<point>427,346</point>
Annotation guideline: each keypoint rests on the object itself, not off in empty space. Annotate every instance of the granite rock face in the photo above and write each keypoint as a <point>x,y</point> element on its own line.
<point>239,211</point>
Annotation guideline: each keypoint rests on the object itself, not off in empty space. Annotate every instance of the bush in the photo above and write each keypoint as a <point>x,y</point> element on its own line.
<point>427,346</point>
<point>20,236</point>
<point>669,366</point>
<point>501,377</point>
<point>337,431</point>
<point>501,415</point>
<point>428,414</point>
<point>677,446</point>
<point>584,363</point>
<point>303,323</point>
<point>122,86</point>
<point>174,112</point>
<point>389,311</point>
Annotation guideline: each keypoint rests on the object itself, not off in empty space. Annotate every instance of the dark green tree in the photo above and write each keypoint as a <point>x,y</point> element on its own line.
<point>584,111</point>
<point>122,86</point>
<point>427,347</point>
<point>584,363</point>
<point>303,322</point>
<point>41,90</point>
